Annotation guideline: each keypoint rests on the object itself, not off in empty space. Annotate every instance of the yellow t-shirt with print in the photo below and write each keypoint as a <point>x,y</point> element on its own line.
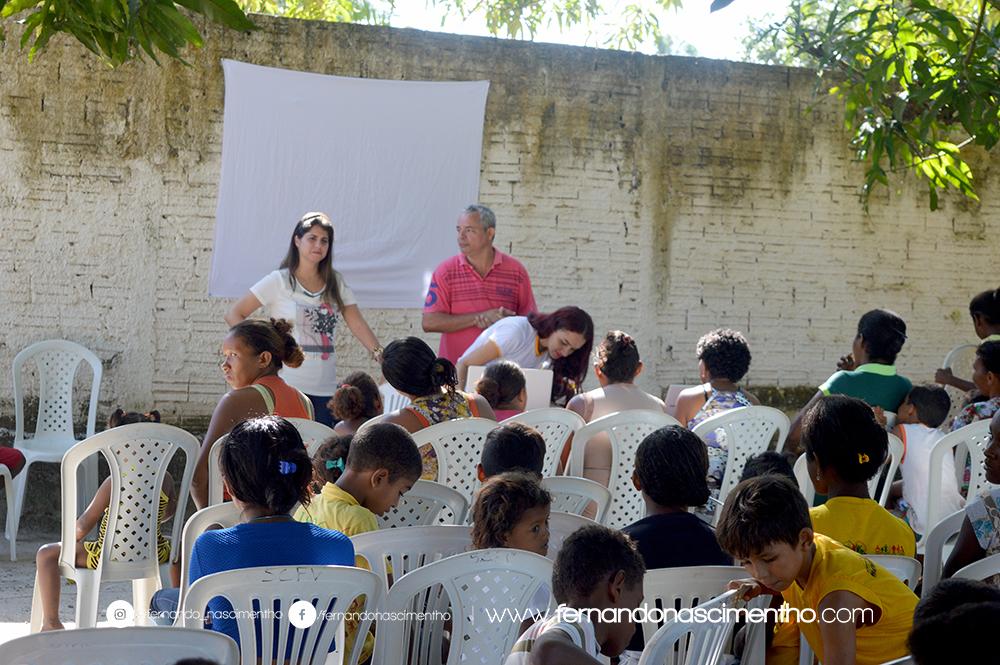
<point>863,526</point>
<point>837,568</point>
<point>333,508</point>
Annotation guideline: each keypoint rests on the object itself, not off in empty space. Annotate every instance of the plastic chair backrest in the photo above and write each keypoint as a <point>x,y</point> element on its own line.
<point>748,432</point>
<point>57,361</point>
<point>561,525</point>
<point>132,645</point>
<point>678,588</point>
<point>215,488</point>
<point>980,570</point>
<point>392,400</point>
<point>224,514</point>
<point>970,440</point>
<point>137,456</point>
<point>555,426</point>
<point>934,545</point>
<point>959,360</point>
<point>572,495</point>
<point>801,471</point>
<point>313,433</point>
<point>458,445</point>
<point>330,589</point>
<point>425,504</point>
<point>479,585</point>
<point>626,430</point>
<point>404,550</point>
<point>691,642</point>
<point>888,471</point>
<point>905,568</point>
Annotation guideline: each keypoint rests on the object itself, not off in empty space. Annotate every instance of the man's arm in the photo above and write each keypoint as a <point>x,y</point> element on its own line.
<point>441,322</point>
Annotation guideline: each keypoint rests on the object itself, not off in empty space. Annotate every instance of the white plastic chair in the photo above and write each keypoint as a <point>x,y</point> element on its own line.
<point>313,433</point>
<point>969,441</point>
<point>57,362</point>
<point>391,399</point>
<point>479,585</point>
<point>895,455</point>
<point>555,426</point>
<point>215,489</point>
<point>572,495</point>
<point>8,487</point>
<point>959,360</point>
<point>748,432</point>
<point>425,504</point>
<point>691,642</point>
<point>458,445</point>
<point>677,588</point>
<point>561,525</point>
<point>905,660</point>
<point>626,430</point>
<point>136,645</point>
<point>935,544</point>
<point>224,514</point>
<point>404,550</point>
<point>905,568</point>
<point>330,589</point>
<point>137,456</point>
<point>980,570</point>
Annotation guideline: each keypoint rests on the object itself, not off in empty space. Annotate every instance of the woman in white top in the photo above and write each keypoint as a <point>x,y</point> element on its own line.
<point>616,367</point>
<point>560,341</point>
<point>309,292</point>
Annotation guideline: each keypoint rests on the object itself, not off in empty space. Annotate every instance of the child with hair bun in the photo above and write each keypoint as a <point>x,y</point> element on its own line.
<point>985,311</point>
<point>330,460</point>
<point>253,353</point>
<point>88,553</point>
<point>845,447</point>
<point>356,401</point>
<point>502,385</point>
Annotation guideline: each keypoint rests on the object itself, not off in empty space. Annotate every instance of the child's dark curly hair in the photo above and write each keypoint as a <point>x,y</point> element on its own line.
<point>330,458</point>
<point>122,417</point>
<point>618,357</point>
<point>499,505</point>
<point>590,556</point>
<point>357,397</point>
<point>726,354</point>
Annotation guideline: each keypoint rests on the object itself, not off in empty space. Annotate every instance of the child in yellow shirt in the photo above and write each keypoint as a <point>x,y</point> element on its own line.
<point>851,611</point>
<point>845,447</point>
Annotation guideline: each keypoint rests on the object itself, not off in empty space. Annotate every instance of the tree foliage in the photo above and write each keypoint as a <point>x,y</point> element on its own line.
<point>919,80</point>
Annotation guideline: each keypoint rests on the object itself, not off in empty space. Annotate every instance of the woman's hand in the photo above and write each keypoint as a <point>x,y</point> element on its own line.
<point>846,363</point>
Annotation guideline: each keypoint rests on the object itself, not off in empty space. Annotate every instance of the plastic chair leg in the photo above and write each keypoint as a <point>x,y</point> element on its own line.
<point>142,594</point>
<point>88,588</point>
<point>36,608</point>
<point>20,484</point>
<point>10,532</point>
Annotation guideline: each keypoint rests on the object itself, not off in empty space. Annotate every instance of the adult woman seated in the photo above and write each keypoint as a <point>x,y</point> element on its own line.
<point>252,353</point>
<point>561,341</point>
<point>616,367</point>
<point>413,369</point>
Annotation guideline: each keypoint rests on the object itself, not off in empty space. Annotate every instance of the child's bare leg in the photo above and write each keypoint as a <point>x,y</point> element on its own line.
<point>49,580</point>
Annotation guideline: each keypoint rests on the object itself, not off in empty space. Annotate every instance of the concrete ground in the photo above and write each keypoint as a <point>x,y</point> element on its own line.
<point>17,581</point>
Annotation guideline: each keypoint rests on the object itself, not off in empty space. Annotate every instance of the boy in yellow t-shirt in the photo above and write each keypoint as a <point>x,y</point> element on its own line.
<point>845,447</point>
<point>863,613</point>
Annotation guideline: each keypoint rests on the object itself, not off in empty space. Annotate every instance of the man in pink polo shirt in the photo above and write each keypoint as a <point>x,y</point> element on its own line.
<point>475,289</point>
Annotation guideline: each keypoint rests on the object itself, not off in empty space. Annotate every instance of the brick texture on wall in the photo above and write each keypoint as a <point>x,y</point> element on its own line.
<point>665,195</point>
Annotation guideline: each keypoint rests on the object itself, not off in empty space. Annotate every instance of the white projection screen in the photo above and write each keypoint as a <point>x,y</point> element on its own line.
<point>393,163</point>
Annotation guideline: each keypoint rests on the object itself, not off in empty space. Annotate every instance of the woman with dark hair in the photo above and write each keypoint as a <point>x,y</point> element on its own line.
<point>415,371</point>
<point>503,386</point>
<point>985,311</point>
<point>560,341</point>
<point>308,291</point>
<point>252,354</point>
<point>868,372</point>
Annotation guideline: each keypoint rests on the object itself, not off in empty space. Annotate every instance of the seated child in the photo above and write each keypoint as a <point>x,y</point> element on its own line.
<point>845,447</point>
<point>985,311</point>
<point>502,385</point>
<point>512,447</point>
<point>986,376</point>
<point>918,420</point>
<point>765,525</point>
<point>980,533</point>
<point>88,553</point>
<point>670,471</point>
<point>950,623</point>
<point>355,402</point>
<point>330,460</point>
<point>512,510</point>
<point>267,470</point>
<point>597,568</point>
<point>769,461</point>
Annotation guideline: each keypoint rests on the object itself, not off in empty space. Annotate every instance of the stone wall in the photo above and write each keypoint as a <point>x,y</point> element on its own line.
<point>665,195</point>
